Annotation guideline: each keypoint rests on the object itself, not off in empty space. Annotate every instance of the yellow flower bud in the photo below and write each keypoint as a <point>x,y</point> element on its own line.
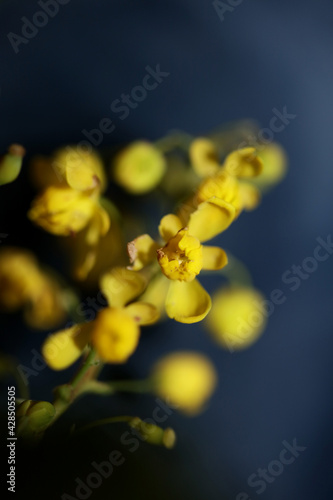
<point>139,167</point>
<point>153,434</point>
<point>115,335</point>
<point>186,380</point>
<point>237,318</point>
<point>11,163</point>
<point>82,170</point>
<point>62,210</point>
<point>274,160</point>
<point>204,157</point>
<point>181,258</point>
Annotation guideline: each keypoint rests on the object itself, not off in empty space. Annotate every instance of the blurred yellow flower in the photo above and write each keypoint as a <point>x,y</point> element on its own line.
<point>24,285</point>
<point>62,210</point>
<point>70,202</point>
<point>114,333</point>
<point>139,167</point>
<point>69,166</point>
<point>181,260</point>
<point>185,380</point>
<point>237,318</point>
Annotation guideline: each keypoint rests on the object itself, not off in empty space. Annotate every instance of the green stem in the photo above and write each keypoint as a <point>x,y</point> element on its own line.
<point>67,393</point>
<point>88,363</point>
<point>104,421</point>
<point>108,388</point>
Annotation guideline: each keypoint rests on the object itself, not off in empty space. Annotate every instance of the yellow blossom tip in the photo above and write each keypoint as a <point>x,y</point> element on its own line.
<point>181,258</point>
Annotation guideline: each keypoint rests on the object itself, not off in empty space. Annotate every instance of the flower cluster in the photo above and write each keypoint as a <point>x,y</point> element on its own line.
<point>194,193</point>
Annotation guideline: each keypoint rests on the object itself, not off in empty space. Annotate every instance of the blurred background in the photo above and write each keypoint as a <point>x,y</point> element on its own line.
<point>223,64</point>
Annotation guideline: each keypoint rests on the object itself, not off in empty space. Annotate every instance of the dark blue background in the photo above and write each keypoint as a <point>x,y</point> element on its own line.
<point>264,55</point>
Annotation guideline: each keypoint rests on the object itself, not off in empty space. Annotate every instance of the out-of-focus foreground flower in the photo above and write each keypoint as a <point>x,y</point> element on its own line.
<point>24,285</point>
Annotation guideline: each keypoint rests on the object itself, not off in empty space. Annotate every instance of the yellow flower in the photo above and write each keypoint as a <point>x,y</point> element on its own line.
<point>185,380</point>
<point>62,210</point>
<point>72,182</point>
<point>237,318</point>
<point>24,285</point>
<point>69,166</point>
<point>181,260</point>
<point>223,186</point>
<point>114,333</point>
<point>11,163</point>
<point>69,203</point>
<point>139,168</point>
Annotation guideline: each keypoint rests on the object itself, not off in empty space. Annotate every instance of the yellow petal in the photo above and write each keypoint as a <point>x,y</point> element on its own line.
<point>213,258</point>
<point>187,302</point>
<point>63,348</point>
<point>121,285</point>
<point>82,169</point>
<point>203,156</point>
<point>99,226</point>
<point>169,226</point>
<point>115,335</point>
<point>211,218</point>
<point>243,163</point>
<point>250,196</point>
<point>156,292</point>
<point>143,313</point>
<point>141,251</point>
